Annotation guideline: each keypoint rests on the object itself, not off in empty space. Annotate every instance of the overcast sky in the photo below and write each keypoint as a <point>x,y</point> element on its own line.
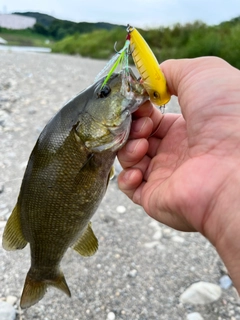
<point>139,13</point>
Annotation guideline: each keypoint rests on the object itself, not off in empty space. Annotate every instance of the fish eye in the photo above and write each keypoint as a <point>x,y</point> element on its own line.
<point>104,92</point>
<point>156,95</point>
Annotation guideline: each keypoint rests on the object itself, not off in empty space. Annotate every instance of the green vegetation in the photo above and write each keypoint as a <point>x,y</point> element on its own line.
<point>58,29</point>
<point>96,40</point>
<point>180,41</point>
<point>26,37</point>
<point>98,44</point>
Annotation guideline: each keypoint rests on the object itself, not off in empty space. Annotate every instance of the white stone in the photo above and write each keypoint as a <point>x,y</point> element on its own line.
<point>121,209</point>
<point>225,282</point>
<point>133,273</point>
<point>11,300</point>
<point>151,245</point>
<point>157,235</point>
<point>111,316</point>
<point>7,312</point>
<point>194,316</point>
<point>167,231</point>
<point>178,239</point>
<point>155,224</point>
<point>201,293</point>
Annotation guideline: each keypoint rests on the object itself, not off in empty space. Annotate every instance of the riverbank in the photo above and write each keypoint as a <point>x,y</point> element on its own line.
<point>142,267</point>
<point>24,49</point>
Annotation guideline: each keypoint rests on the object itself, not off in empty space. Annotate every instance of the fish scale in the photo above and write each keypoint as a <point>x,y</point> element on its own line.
<point>65,180</point>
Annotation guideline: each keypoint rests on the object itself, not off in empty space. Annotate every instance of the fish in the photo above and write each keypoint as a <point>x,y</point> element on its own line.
<point>66,178</point>
<point>147,65</point>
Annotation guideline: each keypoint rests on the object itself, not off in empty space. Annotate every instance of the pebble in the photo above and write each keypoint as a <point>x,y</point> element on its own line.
<point>132,273</point>
<point>178,239</point>
<point>7,312</point>
<point>157,235</point>
<point>225,282</point>
<point>201,293</point>
<point>121,209</point>
<point>111,316</point>
<point>155,224</point>
<point>151,245</point>
<point>194,316</point>
<point>11,300</point>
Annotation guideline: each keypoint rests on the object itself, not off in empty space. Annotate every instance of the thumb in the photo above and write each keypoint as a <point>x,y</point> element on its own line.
<point>182,73</point>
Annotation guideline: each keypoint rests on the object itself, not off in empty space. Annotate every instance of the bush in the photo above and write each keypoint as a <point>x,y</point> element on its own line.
<point>187,41</point>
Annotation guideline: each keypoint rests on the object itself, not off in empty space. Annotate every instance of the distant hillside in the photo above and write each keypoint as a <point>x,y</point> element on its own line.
<point>43,19</point>
<point>58,29</point>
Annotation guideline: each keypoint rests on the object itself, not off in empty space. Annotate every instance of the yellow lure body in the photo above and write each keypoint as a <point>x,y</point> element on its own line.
<point>153,78</point>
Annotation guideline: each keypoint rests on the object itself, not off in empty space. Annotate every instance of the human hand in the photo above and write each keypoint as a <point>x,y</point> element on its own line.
<point>184,169</point>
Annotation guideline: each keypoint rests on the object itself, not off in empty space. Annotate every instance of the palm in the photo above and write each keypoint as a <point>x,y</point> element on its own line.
<point>186,174</point>
<point>185,163</point>
<point>173,178</point>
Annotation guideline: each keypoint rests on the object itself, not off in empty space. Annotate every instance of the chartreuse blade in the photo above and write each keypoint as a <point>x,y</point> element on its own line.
<point>117,62</point>
<point>121,58</point>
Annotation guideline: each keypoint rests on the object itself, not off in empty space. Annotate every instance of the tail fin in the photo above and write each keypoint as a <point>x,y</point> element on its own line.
<point>34,290</point>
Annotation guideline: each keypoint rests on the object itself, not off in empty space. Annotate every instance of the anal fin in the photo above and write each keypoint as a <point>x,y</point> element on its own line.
<point>87,244</point>
<point>13,238</point>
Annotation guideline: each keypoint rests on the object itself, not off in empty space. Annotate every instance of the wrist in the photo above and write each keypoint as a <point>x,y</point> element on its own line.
<point>223,226</point>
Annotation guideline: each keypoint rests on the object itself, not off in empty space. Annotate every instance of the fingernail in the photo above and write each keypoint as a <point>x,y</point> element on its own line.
<point>138,125</point>
<point>131,146</point>
<point>127,175</point>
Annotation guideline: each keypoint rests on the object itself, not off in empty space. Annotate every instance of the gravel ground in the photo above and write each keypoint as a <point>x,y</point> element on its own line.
<point>141,267</point>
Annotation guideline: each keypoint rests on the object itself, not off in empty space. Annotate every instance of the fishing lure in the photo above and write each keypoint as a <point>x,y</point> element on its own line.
<point>119,59</point>
<point>153,78</point>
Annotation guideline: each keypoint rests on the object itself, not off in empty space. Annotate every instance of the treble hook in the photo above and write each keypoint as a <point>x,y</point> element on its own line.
<point>115,44</point>
<point>129,52</point>
<point>162,108</point>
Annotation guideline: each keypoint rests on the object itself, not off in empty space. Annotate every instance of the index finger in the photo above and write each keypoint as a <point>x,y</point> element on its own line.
<point>150,111</point>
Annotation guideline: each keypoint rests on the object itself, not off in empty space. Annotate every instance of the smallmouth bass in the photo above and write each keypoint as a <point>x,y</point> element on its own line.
<point>66,178</point>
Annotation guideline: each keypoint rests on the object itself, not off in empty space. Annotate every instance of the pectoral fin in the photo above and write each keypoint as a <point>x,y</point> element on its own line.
<point>87,244</point>
<point>13,238</point>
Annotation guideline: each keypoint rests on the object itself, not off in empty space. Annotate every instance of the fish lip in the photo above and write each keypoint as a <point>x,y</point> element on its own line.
<point>132,89</point>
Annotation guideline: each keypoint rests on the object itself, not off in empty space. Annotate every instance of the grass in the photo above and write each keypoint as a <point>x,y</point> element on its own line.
<point>24,38</point>
<point>98,44</point>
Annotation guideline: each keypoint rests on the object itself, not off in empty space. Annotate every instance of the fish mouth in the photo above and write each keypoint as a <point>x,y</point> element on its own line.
<point>135,95</point>
<point>133,90</point>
